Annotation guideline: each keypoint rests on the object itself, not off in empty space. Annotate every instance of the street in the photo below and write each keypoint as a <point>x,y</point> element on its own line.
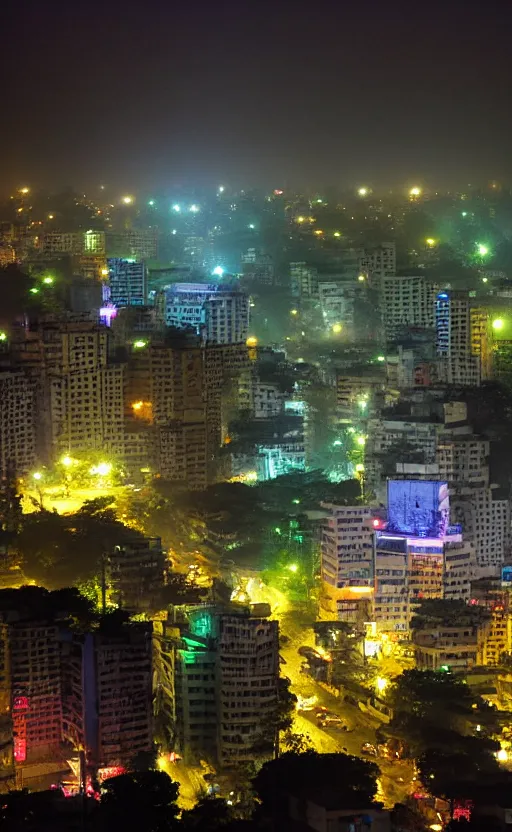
<point>395,782</point>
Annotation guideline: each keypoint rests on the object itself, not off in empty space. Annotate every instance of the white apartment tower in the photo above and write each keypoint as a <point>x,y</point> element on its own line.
<point>407,301</point>
<point>348,543</point>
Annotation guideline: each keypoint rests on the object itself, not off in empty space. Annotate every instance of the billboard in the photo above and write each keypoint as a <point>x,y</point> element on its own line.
<point>420,508</point>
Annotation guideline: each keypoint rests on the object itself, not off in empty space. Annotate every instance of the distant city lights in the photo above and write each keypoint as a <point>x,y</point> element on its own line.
<point>415,191</point>
<point>381,358</point>
<point>498,323</point>
<point>294,311</point>
<point>176,207</point>
<point>48,280</point>
<point>361,278</point>
<point>483,250</point>
<point>104,272</point>
<point>362,191</point>
<point>430,242</point>
<point>361,440</point>
<point>194,209</point>
<point>34,291</point>
<point>221,189</point>
<point>103,469</point>
<point>218,271</point>
<point>252,341</point>
<point>337,328</point>
<point>300,219</point>
<point>127,200</point>
<point>140,344</point>
<point>151,202</point>
<point>251,225</point>
<point>3,336</point>
<point>336,234</point>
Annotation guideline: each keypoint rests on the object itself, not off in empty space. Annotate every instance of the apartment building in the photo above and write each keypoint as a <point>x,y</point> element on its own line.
<point>348,545</point>
<point>7,773</point>
<point>136,573</point>
<point>407,302</point>
<point>262,399</point>
<point>304,281</point>
<point>107,693</point>
<point>458,648</point>
<point>127,282</point>
<point>76,243</point>
<point>227,674</point>
<point>358,396</point>
<point>258,267</point>
<point>133,243</point>
<point>17,423</point>
<point>460,569</point>
<point>379,263</point>
<point>464,339</point>
<point>217,312</point>
<point>35,679</point>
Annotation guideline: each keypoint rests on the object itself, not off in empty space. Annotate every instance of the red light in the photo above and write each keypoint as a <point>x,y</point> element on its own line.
<point>20,750</point>
<point>278,192</point>
<point>376,523</point>
<point>20,703</point>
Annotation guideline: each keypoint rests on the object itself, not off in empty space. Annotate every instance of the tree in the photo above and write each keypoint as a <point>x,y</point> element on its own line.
<point>208,815</point>
<point>434,612</point>
<point>141,800</point>
<point>352,781</point>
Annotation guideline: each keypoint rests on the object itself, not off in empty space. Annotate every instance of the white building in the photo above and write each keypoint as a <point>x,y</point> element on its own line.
<point>219,313</point>
<point>127,281</point>
<point>407,301</point>
<point>348,543</point>
<point>379,263</point>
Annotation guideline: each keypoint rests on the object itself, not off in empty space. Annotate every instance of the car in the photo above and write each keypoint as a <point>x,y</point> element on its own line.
<point>368,748</point>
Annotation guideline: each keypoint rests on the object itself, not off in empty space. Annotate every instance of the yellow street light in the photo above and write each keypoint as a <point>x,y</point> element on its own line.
<point>103,469</point>
<point>300,219</point>
<point>24,191</point>
<point>294,311</point>
<point>66,461</point>
<point>127,200</point>
<point>362,191</point>
<point>336,328</point>
<point>37,475</point>
<point>318,232</point>
<point>251,341</point>
<point>337,234</point>
<point>498,323</point>
<point>415,191</point>
<point>361,440</point>
<point>361,278</point>
<point>430,242</point>
<point>381,684</point>
<point>104,272</point>
<point>359,468</point>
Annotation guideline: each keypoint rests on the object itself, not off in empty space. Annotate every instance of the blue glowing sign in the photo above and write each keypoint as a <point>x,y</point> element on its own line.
<point>418,507</point>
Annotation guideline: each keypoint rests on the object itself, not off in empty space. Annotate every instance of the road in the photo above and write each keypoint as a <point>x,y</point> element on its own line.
<point>297,628</point>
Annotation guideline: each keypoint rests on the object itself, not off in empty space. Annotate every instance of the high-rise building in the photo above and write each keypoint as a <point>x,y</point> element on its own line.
<point>7,774</point>
<point>379,263</point>
<point>258,267</point>
<point>412,552</point>
<point>304,281</point>
<point>107,693</point>
<point>226,685</point>
<point>464,339</point>
<point>348,543</point>
<point>407,301</point>
<point>17,423</point>
<point>217,312</point>
<point>136,571</point>
<point>127,281</point>
<point>137,243</point>
<point>76,243</point>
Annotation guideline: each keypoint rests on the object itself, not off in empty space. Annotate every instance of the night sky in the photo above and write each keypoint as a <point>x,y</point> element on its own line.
<point>147,95</point>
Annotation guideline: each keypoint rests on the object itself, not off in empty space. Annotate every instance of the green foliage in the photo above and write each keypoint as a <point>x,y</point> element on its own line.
<point>208,815</point>
<point>434,612</point>
<point>60,550</point>
<point>141,800</point>
<point>349,781</point>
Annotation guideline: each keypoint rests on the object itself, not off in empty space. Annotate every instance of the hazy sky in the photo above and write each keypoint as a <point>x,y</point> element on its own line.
<point>146,95</point>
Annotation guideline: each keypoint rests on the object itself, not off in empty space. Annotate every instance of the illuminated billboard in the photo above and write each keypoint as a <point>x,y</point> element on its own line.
<point>418,507</point>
